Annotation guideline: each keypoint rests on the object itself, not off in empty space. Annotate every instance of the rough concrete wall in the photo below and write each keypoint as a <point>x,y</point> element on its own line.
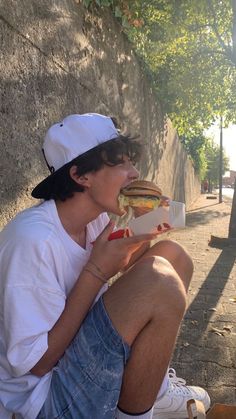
<point>55,59</point>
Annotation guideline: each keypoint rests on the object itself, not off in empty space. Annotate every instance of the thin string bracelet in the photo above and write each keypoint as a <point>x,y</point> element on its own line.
<point>97,267</point>
<point>92,269</point>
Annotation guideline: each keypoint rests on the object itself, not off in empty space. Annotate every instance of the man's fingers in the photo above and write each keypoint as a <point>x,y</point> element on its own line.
<point>140,238</point>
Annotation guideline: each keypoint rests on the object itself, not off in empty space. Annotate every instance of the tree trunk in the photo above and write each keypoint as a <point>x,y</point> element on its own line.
<point>232,223</point>
<point>234,32</point>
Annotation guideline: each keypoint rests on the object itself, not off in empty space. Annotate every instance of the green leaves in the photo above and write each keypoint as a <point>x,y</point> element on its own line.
<point>189,47</point>
<point>101,3</point>
<point>87,3</point>
<point>212,153</point>
<point>118,12</point>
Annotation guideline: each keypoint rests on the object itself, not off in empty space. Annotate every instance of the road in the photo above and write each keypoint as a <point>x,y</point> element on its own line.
<point>227,192</point>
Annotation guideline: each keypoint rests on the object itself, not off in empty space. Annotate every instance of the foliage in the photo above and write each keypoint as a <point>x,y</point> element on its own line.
<point>212,152</point>
<point>189,49</point>
<point>98,2</point>
<point>205,156</point>
<point>121,10</point>
<point>194,143</point>
<point>188,46</point>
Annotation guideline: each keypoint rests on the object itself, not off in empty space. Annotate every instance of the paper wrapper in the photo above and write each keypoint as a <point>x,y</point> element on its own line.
<point>218,411</point>
<point>161,219</point>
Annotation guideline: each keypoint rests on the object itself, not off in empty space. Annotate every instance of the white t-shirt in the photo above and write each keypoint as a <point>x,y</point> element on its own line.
<point>39,264</point>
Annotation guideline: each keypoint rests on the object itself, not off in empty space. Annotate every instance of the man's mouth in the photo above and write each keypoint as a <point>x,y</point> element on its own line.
<point>122,202</point>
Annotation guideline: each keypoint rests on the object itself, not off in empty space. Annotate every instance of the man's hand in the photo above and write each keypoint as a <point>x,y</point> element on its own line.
<point>112,256</point>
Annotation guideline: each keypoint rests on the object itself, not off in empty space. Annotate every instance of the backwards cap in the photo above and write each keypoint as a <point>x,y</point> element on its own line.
<point>70,138</point>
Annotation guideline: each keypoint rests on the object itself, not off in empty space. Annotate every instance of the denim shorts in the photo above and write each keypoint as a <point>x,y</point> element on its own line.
<point>86,382</point>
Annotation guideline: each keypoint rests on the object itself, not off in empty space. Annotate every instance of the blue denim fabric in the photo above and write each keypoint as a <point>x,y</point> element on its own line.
<point>87,380</point>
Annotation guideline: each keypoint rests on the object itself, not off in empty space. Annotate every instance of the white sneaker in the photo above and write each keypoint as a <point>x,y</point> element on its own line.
<point>173,404</point>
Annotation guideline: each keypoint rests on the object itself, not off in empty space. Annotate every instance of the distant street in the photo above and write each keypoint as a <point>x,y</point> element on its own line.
<point>227,192</point>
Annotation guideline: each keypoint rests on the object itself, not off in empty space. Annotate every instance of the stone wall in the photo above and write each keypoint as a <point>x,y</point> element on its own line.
<point>56,58</point>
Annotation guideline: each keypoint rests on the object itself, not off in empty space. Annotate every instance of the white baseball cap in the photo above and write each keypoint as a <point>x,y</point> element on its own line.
<point>73,136</point>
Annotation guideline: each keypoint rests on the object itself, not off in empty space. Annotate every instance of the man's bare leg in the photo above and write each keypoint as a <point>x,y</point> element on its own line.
<point>146,306</point>
<point>176,255</point>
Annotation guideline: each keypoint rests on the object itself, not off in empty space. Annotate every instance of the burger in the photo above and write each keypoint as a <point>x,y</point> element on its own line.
<point>141,194</point>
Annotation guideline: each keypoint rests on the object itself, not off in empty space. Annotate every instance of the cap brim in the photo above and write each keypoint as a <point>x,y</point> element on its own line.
<point>44,189</point>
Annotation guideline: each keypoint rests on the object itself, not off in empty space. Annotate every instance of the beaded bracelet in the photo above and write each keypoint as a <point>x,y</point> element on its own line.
<point>96,271</point>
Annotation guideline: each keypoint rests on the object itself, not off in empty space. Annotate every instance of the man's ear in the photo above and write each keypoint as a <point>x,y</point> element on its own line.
<point>82,180</point>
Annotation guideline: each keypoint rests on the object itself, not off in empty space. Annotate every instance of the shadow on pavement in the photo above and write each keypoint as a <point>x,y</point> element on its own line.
<point>193,219</point>
<point>205,351</point>
<point>212,288</point>
<point>199,208</point>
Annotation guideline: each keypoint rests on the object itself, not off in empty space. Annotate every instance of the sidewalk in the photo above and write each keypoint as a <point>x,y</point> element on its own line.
<point>206,348</point>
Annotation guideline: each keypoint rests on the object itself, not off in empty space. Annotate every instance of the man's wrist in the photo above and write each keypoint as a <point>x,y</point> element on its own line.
<point>93,269</point>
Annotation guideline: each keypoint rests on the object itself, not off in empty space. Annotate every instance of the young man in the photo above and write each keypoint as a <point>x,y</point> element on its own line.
<point>69,346</point>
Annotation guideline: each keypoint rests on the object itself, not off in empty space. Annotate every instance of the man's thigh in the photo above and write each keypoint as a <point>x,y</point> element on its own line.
<point>86,381</point>
<point>132,300</point>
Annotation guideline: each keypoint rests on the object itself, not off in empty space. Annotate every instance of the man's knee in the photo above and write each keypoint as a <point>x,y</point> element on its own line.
<point>172,247</point>
<point>155,265</point>
<point>150,290</point>
<point>175,253</point>
<point>163,283</point>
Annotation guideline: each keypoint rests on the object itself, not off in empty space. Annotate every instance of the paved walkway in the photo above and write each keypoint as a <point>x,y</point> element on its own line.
<point>206,349</point>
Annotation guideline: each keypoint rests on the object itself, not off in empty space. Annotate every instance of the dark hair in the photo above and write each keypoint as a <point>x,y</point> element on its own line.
<point>109,153</point>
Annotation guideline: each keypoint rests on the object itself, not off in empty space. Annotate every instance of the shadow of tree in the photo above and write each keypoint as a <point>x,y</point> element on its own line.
<point>202,356</point>
<point>70,71</point>
<point>193,219</point>
<point>214,285</point>
<point>57,59</point>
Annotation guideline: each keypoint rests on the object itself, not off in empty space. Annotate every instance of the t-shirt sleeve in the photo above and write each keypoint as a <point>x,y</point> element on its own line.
<point>29,315</point>
<point>33,301</point>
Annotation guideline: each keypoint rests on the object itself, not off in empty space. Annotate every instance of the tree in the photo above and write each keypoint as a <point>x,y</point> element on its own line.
<point>213,163</point>
<point>189,46</point>
<point>232,223</point>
